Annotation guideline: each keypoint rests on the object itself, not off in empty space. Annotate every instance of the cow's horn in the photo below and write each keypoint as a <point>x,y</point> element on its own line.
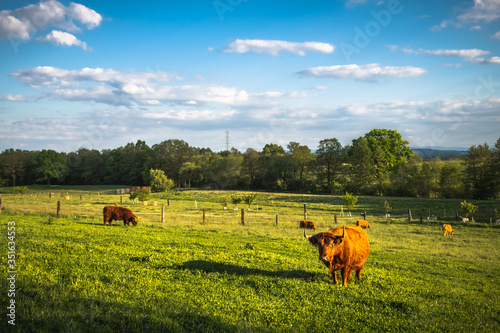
<point>306,235</point>
<point>343,234</point>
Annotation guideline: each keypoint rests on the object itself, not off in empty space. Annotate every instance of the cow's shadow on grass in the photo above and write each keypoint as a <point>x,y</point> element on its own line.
<point>223,268</point>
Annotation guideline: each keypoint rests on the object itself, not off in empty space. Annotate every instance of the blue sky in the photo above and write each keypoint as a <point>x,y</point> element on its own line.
<point>101,74</point>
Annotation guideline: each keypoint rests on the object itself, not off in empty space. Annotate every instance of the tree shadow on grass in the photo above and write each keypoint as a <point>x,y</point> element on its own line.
<point>217,267</point>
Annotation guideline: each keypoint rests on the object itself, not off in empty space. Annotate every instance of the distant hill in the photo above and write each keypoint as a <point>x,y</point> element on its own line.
<point>427,153</point>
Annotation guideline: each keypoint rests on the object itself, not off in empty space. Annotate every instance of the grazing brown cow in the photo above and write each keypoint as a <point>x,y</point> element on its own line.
<point>363,224</point>
<point>342,248</point>
<point>307,224</point>
<point>111,213</point>
<point>447,230</point>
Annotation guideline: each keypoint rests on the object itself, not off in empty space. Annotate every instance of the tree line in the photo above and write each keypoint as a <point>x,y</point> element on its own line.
<point>378,163</point>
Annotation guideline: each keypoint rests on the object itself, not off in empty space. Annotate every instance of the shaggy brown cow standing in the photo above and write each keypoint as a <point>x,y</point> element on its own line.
<point>111,213</point>
<point>307,224</point>
<point>342,248</point>
<point>447,230</point>
<point>363,224</point>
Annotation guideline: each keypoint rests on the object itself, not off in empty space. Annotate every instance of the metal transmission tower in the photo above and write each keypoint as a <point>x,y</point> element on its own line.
<point>227,140</point>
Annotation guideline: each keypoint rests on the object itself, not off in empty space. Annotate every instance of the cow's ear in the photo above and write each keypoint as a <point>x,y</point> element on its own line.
<point>313,240</point>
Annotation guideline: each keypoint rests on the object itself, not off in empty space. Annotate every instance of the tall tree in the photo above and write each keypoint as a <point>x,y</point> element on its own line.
<point>301,157</point>
<point>395,149</point>
<point>451,184</point>
<point>479,181</point>
<point>329,159</point>
<point>170,155</point>
<point>50,164</point>
<point>362,167</point>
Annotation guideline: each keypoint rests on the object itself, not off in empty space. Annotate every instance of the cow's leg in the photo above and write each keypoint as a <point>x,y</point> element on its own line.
<point>334,275</point>
<point>358,273</point>
<point>343,272</point>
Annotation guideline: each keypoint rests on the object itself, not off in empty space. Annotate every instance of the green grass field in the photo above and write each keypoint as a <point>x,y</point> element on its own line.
<point>75,275</point>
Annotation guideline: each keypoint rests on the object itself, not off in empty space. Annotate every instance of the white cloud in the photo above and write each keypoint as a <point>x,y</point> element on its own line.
<point>198,115</point>
<point>12,27</point>
<point>275,47</point>
<point>28,21</point>
<point>485,11</point>
<point>470,55</point>
<point>369,72</point>
<point>63,38</point>
<point>136,88</point>
<point>12,98</point>
<point>84,15</point>
<point>496,35</point>
<point>475,28</point>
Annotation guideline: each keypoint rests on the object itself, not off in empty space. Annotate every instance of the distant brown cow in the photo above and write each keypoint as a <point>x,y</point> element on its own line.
<point>111,213</point>
<point>307,224</point>
<point>342,248</point>
<point>363,224</point>
<point>447,230</point>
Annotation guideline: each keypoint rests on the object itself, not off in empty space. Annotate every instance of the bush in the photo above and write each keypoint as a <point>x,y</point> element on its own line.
<point>350,200</point>
<point>468,208</point>
<point>21,190</point>
<point>159,181</point>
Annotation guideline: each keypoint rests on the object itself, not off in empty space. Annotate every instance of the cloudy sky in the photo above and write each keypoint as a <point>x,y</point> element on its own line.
<point>101,74</point>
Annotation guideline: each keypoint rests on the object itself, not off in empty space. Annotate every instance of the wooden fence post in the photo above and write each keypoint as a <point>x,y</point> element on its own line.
<point>162,214</point>
<point>50,195</point>
<point>58,208</point>
<point>203,217</point>
<point>276,219</point>
<point>305,212</point>
<point>421,215</point>
<point>121,200</point>
<point>456,216</point>
<point>335,217</point>
<point>409,214</point>
<point>242,216</point>
<point>1,205</point>
<point>168,202</point>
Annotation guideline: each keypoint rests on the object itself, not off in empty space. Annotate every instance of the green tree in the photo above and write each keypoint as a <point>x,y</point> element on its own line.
<point>350,201</point>
<point>395,149</point>
<point>159,181</point>
<point>50,164</point>
<point>329,159</point>
<point>224,172</point>
<point>362,167</point>
<point>170,155</point>
<point>451,184</point>
<point>387,208</point>
<point>479,177</point>
<point>250,164</point>
<point>468,208</point>
<point>249,199</point>
<point>301,157</point>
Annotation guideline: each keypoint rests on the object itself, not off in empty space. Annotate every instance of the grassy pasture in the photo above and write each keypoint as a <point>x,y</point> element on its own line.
<point>181,276</point>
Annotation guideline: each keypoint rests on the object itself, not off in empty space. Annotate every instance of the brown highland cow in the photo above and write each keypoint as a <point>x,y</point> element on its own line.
<point>111,213</point>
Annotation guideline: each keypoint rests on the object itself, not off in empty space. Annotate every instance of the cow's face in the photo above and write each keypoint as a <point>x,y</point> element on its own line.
<point>327,244</point>
<point>134,220</point>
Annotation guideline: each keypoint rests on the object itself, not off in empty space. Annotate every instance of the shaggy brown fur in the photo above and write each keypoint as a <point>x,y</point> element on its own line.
<point>111,213</point>
<point>347,253</point>
<point>307,224</point>
<point>447,230</point>
<point>363,224</point>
